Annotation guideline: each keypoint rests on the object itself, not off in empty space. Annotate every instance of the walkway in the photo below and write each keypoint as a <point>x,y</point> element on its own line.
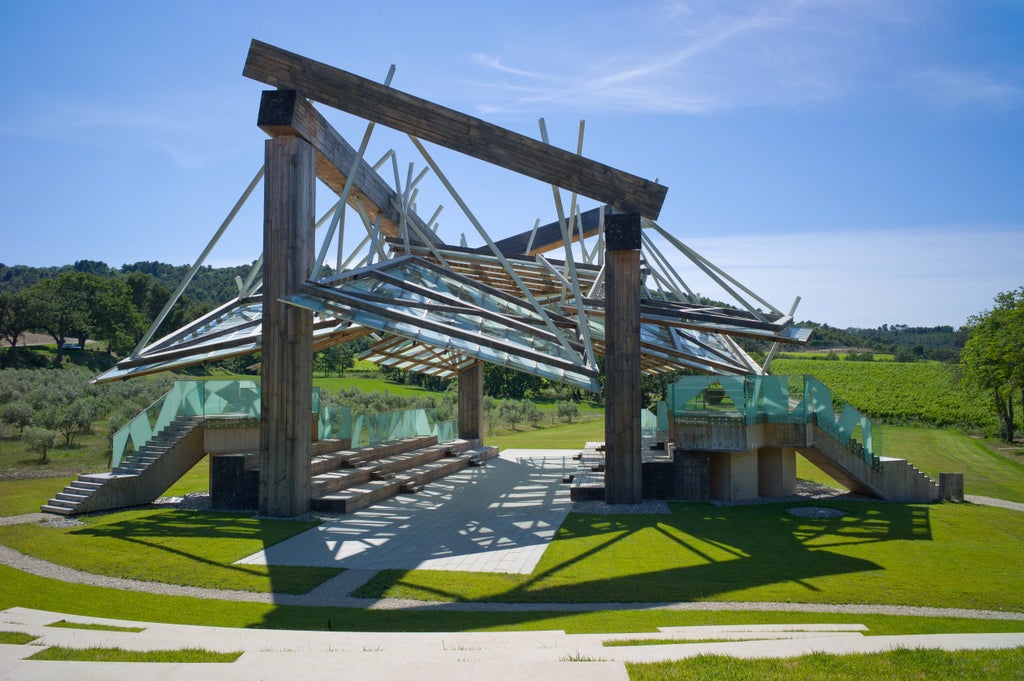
<point>497,518</point>
<point>451,656</point>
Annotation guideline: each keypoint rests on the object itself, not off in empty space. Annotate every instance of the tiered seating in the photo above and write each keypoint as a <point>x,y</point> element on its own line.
<point>347,480</point>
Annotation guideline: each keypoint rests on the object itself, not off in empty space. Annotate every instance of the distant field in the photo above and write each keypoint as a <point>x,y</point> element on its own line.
<point>900,393</point>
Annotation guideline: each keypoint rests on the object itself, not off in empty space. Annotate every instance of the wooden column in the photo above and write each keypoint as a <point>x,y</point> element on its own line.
<point>623,467</point>
<point>471,403</point>
<point>287,354</point>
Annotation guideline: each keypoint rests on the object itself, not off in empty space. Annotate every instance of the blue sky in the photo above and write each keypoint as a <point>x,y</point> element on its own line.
<point>865,155</point>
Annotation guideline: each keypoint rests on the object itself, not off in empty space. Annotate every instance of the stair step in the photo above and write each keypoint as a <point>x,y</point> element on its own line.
<point>431,464</point>
<point>61,503</point>
<point>59,510</point>
<point>73,498</point>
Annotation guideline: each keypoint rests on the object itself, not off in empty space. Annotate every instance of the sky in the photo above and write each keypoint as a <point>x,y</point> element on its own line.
<point>867,156</point>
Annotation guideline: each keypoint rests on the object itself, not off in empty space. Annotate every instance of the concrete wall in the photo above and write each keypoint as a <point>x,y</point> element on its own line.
<point>776,471</point>
<point>733,476</point>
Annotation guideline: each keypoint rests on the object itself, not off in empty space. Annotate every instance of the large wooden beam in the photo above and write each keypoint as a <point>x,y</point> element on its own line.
<point>452,129</point>
<point>286,400</point>
<point>623,483</point>
<point>285,112</point>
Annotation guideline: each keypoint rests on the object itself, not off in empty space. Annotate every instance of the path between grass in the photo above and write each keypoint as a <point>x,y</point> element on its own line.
<point>334,593</point>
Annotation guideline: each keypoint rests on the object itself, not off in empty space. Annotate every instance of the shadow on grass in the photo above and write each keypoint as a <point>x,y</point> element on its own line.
<point>203,538</point>
<point>699,552</point>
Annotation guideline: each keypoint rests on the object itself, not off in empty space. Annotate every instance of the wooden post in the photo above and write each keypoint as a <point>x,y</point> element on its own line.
<point>287,354</point>
<point>471,403</point>
<point>623,465</point>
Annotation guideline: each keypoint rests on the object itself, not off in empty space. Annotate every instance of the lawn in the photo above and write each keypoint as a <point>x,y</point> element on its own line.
<point>895,665</point>
<point>29,591</point>
<point>171,546</point>
<point>26,496</point>
<point>566,436</point>
<point>877,553</point>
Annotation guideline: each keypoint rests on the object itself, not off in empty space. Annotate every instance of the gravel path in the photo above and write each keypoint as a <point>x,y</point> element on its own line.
<point>989,501</point>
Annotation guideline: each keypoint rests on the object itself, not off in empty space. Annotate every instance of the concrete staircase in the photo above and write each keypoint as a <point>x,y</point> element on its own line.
<point>140,478</point>
<point>891,479</point>
<point>348,480</point>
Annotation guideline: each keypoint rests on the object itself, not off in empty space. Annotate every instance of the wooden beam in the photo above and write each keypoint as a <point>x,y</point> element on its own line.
<point>285,113</point>
<point>623,395</point>
<point>452,129</point>
<point>286,395</point>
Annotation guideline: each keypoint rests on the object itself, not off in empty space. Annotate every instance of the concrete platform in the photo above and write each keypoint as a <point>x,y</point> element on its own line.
<point>452,656</point>
<point>496,518</point>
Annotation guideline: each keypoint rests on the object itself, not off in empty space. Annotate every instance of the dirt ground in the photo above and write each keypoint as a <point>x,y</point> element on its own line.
<point>28,339</point>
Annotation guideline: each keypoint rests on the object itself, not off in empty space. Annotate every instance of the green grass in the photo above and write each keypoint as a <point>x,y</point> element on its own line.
<point>172,546</point>
<point>29,591</point>
<point>181,655</point>
<point>196,480</point>
<point>370,384</point>
<point>26,496</point>
<point>64,624</point>
<point>895,665</point>
<point>568,436</point>
<point>878,553</point>
<point>89,454</point>
<point>15,638</point>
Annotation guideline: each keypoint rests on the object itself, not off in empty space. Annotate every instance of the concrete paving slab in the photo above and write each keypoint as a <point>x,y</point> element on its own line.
<point>453,656</point>
<point>496,518</point>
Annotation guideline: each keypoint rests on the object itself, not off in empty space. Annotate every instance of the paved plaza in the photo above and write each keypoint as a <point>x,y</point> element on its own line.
<point>496,518</point>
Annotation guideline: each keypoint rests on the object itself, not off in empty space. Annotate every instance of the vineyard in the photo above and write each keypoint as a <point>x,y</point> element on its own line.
<point>900,393</point>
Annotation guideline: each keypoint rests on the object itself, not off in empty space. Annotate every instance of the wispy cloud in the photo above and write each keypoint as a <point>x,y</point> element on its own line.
<point>700,57</point>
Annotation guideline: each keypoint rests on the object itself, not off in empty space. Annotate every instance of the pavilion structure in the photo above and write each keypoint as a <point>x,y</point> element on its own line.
<point>606,281</point>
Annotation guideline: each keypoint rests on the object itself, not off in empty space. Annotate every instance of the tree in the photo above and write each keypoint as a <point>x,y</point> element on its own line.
<point>61,310</point>
<point>15,316</point>
<point>506,383</point>
<point>567,410</point>
<point>993,356</point>
<point>532,413</point>
<point>511,413</point>
<point>82,305</point>
<point>40,440</point>
<point>18,415</point>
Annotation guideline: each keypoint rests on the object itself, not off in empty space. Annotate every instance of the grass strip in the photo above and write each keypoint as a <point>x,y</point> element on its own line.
<point>61,654</point>
<point>895,665</point>
<point>29,591</point>
<point>64,624</point>
<point>15,638</point>
<point>629,642</point>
